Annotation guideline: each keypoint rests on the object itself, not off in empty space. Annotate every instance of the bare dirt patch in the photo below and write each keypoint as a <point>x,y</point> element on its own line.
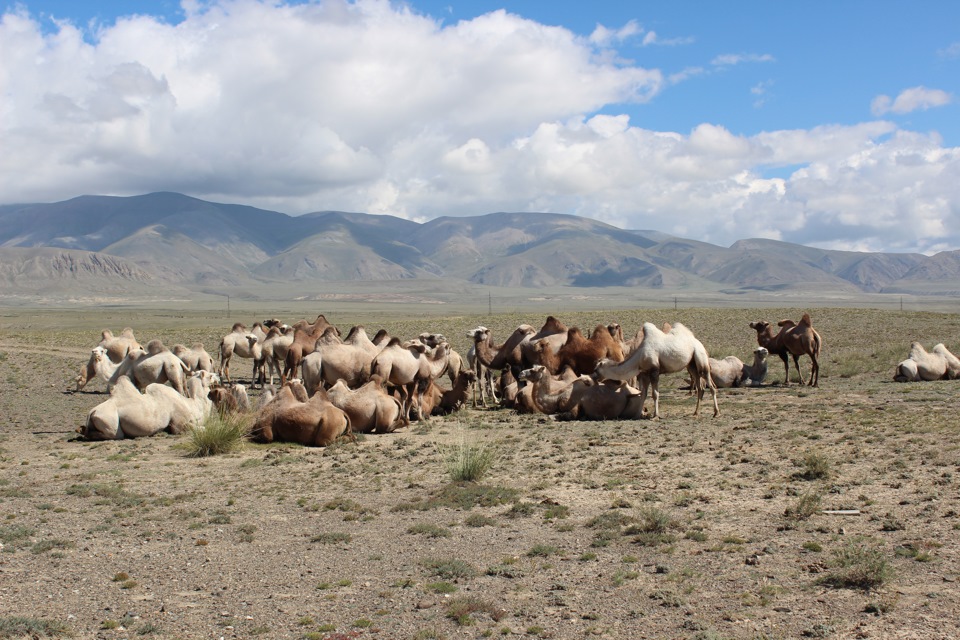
<point>682,528</point>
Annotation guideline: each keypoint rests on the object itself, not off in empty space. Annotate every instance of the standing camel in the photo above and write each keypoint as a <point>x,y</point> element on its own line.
<point>793,340</point>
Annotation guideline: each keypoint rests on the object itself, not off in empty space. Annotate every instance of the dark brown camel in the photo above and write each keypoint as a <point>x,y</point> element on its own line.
<point>794,339</point>
<point>304,340</point>
<point>580,353</point>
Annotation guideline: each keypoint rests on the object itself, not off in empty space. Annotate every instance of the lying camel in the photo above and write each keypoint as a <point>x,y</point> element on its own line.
<point>794,339</point>
<point>293,417</point>
<point>661,352</point>
<point>610,400</point>
<point>437,401</point>
<point>370,408</point>
<point>937,364</point>
<point>757,371</point>
<point>554,394</point>
<point>130,414</point>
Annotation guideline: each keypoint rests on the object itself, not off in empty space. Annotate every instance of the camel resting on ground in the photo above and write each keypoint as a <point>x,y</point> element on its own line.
<point>156,364</point>
<point>116,349</point>
<point>756,372</point>
<point>370,408</point>
<point>937,364</point>
<point>293,417</point>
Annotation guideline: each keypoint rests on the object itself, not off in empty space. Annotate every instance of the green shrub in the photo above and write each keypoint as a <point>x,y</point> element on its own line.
<point>217,435</point>
<point>469,462</point>
<point>857,567</point>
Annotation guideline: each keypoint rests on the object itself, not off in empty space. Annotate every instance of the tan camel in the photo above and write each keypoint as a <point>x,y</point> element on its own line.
<point>437,401</point>
<point>241,343</point>
<point>292,417</point>
<point>794,339</point>
<point>196,357</point>
<point>937,364</point>
<point>492,357</point>
<point>552,394</point>
<point>371,410</point>
<point>610,400</point>
<point>409,369</point>
<point>274,348</point>
<point>660,353</point>
<point>333,360</point>
<point>115,348</point>
<point>155,364</point>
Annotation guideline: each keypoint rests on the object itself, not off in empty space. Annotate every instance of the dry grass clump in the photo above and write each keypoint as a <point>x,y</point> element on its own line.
<point>857,566</point>
<point>468,462</point>
<point>217,435</point>
<point>24,627</point>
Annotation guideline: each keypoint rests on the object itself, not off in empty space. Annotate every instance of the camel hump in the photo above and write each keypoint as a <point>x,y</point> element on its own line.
<point>806,320</point>
<point>787,323</point>
<point>155,346</point>
<point>238,327</point>
<point>394,342</point>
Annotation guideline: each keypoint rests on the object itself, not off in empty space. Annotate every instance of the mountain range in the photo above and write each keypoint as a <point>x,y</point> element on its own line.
<point>133,245</point>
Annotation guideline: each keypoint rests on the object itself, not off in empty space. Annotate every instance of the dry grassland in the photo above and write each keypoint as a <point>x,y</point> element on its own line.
<point>708,528</point>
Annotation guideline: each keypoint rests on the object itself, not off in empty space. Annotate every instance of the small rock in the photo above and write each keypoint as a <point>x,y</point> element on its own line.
<point>753,560</point>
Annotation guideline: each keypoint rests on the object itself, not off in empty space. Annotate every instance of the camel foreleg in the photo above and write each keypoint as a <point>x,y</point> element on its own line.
<point>796,363</point>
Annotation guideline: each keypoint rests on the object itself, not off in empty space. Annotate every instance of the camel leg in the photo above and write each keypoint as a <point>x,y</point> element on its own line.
<point>814,372</point>
<point>655,392</point>
<point>786,370</point>
<point>796,363</point>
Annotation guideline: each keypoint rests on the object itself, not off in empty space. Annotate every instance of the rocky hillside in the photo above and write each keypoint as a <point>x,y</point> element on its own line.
<point>181,243</point>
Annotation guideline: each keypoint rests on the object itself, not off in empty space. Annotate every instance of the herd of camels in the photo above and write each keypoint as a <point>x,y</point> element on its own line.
<point>333,386</point>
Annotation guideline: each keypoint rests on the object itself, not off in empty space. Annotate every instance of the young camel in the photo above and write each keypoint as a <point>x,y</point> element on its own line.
<point>492,357</point>
<point>116,349</point>
<point>659,353</point>
<point>794,339</point>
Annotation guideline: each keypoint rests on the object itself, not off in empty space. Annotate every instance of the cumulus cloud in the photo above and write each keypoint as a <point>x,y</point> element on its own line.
<point>913,99</point>
<point>369,106</point>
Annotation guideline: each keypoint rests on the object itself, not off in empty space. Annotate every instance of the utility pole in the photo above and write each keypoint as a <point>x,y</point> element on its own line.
<point>489,304</point>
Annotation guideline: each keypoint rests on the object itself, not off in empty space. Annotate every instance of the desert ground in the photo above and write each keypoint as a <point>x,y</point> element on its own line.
<point>828,512</point>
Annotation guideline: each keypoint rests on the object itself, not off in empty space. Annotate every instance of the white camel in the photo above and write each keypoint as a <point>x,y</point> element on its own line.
<point>243,344</point>
<point>757,371</point>
<point>156,364</point>
<point>116,349</point>
<point>98,366</point>
<point>936,364</point>
<point>196,357</point>
<point>130,414</point>
<point>659,353</point>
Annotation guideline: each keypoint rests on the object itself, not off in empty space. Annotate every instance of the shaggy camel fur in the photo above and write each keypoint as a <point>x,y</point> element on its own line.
<point>553,333</point>
<point>408,368</point>
<point>757,371</point>
<point>243,344</point>
<point>196,357</point>
<point>293,417</point>
<point>553,394</point>
<point>98,366</point>
<point>610,400</point>
<point>660,353</point>
<point>937,364</point>
<point>333,360</point>
<point>371,410</point>
<point>116,349</point>
<point>508,387</point>
<point>230,399</point>
<point>580,353</point>
<point>130,414</point>
<point>794,339</point>
<point>156,364</point>
<point>304,340</point>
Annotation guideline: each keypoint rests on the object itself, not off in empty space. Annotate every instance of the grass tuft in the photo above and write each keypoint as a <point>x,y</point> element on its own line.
<point>468,462</point>
<point>856,566</point>
<point>217,435</point>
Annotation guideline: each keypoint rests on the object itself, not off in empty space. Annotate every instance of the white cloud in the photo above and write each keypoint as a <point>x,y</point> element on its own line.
<point>731,59</point>
<point>909,100</point>
<point>951,51</point>
<point>369,107</point>
<point>604,36</point>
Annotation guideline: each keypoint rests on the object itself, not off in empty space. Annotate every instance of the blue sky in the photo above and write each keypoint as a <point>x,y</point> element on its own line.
<point>835,124</point>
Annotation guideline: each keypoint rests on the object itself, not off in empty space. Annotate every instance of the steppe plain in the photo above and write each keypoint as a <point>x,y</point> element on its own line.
<point>685,527</point>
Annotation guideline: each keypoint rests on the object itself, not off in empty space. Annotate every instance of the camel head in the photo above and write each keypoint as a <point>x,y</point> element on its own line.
<point>272,322</point>
<point>431,339</point>
<point>760,326</point>
<point>478,334</point>
<point>99,354</point>
<point>534,373</point>
<point>761,353</point>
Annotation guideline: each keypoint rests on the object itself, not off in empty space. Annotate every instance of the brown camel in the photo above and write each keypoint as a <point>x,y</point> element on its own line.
<point>554,394</point>
<point>409,368</point>
<point>553,333</point>
<point>794,339</point>
<point>304,340</point>
<point>493,357</point>
<point>292,417</point>
<point>580,353</point>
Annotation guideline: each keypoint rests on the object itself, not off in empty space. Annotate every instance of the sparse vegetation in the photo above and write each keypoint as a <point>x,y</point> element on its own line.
<point>469,462</point>
<point>219,434</point>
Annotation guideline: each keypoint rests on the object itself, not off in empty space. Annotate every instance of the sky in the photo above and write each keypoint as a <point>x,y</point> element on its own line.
<point>824,123</point>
